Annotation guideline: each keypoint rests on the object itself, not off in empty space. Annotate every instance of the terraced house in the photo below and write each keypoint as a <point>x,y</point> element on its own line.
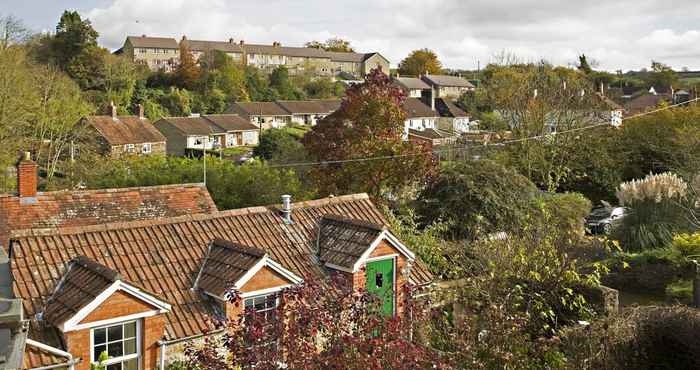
<point>163,53</point>
<point>141,287</point>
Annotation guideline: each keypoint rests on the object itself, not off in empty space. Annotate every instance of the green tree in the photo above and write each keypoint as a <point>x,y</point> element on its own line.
<point>279,146</point>
<point>73,36</point>
<point>477,198</point>
<point>280,82</point>
<point>187,72</point>
<point>420,62</point>
<point>257,85</point>
<point>369,124</point>
<point>583,64</point>
<point>333,44</point>
<point>661,75</point>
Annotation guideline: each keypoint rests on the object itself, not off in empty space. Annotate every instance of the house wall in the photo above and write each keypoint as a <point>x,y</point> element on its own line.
<point>159,148</point>
<point>251,137</point>
<point>373,62</point>
<point>155,58</point>
<point>269,122</point>
<point>176,140</point>
<point>120,304</point>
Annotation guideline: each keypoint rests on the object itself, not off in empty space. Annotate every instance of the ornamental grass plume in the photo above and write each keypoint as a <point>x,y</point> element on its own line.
<point>659,187</point>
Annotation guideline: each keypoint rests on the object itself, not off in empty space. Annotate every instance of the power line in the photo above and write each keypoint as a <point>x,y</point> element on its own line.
<point>504,143</point>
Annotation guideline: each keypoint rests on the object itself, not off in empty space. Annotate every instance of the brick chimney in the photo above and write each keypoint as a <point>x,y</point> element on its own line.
<point>242,42</point>
<point>27,177</point>
<point>230,41</point>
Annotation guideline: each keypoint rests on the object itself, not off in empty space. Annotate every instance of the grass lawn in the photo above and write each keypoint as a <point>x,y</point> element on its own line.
<point>237,151</point>
<point>297,131</point>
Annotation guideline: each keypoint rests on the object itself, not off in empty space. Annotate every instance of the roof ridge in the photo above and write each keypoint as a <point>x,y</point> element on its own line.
<point>178,219</point>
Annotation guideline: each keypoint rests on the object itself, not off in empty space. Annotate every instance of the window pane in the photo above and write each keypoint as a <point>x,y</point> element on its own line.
<point>130,346</point>
<point>97,351</point>
<point>100,336</point>
<point>131,364</point>
<point>117,366</point>
<point>114,333</point>
<point>130,330</point>
<point>115,349</point>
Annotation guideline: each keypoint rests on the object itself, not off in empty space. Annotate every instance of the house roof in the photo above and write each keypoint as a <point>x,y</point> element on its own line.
<point>82,282</point>
<point>631,90</point>
<point>445,80</point>
<point>125,129</point>
<point>153,42</point>
<point>347,57</point>
<point>306,106</point>
<point>644,102</point>
<point>204,46</point>
<point>91,207</point>
<point>412,83</point>
<point>225,263</point>
<point>415,108</point>
<point>231,122</point>
<point>258,108</point>
<point>609,103</point>
<point>342,241</point>
<point>447,108</point>
<point>431,133</point>
<point>164,256</point>
<point>285,50</point>
<point>331,105</point>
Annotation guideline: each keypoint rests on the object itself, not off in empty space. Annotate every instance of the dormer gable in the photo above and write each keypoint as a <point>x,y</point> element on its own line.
<point>77,300</point>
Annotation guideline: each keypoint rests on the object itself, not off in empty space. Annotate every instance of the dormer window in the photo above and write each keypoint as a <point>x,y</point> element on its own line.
<point>120,342</point>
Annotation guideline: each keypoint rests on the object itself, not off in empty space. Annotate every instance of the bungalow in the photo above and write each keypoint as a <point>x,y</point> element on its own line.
<point>448,86</point>
<point>413,87</point>
<point>125,135</point>
<point>309,112</point>
<point>264,115</point>
<point>138,290</point>
<point>206,132</point>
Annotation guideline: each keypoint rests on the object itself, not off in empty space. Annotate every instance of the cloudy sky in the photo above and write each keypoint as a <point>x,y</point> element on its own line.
<point>618,34</point>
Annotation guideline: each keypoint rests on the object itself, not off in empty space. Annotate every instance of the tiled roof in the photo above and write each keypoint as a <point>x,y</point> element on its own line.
<point>342,241</point>
<point>204,46</point>
<point>415,108</point>
<point>153,42</point>
<point>445,80</point>
<point>643,103</point>
<point>82,282</point>
<point>164,256</point>
<point>91,207</point>
<point>347,57</point>
<point>225,263</point>
<point>609,103</point>
<point>285,50</point>
<point>231,122</point>
<point>412,83</point>
<point>431,133</point>
<point>306,106</point>
<point>331,105</point>
<point>126,130</point>
<point>257,108</point>
<point>447,108</point>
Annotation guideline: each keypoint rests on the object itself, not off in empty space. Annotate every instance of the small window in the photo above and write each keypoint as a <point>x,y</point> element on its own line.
<point>379,279</point>
<point>146,148</point>
<point>120,342</point>
<point>129,148</point>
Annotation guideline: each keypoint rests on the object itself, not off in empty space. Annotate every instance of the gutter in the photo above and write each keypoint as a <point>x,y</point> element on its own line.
<point>164,343</point>
<point>70,364</point>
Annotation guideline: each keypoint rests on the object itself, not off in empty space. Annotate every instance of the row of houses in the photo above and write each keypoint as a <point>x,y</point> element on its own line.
<point>163,53</point>
<point>141,273</point>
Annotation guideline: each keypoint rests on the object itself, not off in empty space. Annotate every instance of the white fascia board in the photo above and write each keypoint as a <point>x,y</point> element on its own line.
<point>74,322</point>
<point>266,261</point>
<point>394,241</point>
<point>265,291</point>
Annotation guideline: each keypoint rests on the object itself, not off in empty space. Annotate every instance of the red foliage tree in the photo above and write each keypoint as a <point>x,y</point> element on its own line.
<point>319,326</point>
<point>369,124</point>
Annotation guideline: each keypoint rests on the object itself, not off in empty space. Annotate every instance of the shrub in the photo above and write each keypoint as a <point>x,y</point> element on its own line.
<point>687,244</point>
<point>565,212</point>
<point>656,211</point>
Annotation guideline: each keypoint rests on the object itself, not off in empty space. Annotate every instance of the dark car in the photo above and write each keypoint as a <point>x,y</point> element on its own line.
<point>603,219</point>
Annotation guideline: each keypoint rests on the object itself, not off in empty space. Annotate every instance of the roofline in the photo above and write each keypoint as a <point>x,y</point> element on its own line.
<point>112,190</point>
<point>15,234</point>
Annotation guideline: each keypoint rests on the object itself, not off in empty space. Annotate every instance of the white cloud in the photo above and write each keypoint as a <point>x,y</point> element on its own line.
<point>619,34</point>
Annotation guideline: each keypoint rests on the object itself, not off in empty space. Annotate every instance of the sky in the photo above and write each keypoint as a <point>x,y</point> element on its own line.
<point>617,34</point>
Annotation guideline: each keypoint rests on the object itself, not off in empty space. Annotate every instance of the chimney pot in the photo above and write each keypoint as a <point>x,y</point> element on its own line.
<point>27,177</point>
<point>144,35</point>
<point>230,41</point>
<point>242,42</point>
<point>287,209</point>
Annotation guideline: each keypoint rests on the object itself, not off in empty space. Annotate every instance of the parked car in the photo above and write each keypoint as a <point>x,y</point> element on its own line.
<point>603,219</point>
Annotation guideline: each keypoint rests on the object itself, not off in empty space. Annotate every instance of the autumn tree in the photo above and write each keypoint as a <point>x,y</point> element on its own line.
<point>187,72</point>
<point>420,62</point>
<point>333,44</point>
<point>369,124</point>
<point>318,325</point>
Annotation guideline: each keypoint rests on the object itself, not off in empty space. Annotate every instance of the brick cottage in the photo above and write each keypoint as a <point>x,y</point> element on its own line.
<point>139,289</point>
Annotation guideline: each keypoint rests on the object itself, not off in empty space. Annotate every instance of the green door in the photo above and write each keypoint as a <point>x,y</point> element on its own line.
<point>380,281</point>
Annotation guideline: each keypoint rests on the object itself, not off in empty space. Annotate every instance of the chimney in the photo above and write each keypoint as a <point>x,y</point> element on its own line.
<point>144,35</point>
<point>432,98</point>
<point>287,209</point>
<point>27,177</point>
<point>602,89</point>
<point>184,37</point>
<point>242,42</point>
<point>140,108</point>
<point>230,41</point>
<point>113,110</point>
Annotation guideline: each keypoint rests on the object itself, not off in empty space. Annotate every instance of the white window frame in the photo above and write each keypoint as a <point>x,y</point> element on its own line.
<point>146,151</point>
<point>129,148</point>
<point>115,360</point>
<point>265,295</point>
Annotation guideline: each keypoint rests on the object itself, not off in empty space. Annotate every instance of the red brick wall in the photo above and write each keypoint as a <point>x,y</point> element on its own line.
<point>27,178</point>
<point>119,305</point>
<point>264,279</point>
